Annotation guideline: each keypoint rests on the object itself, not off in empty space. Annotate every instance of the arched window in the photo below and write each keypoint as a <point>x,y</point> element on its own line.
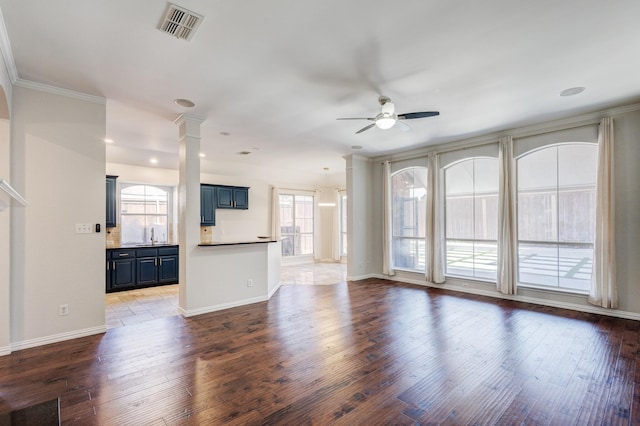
<point>144,213</point>
<point>556,214</point>
<point>471,218</point>
<point>409,204</point>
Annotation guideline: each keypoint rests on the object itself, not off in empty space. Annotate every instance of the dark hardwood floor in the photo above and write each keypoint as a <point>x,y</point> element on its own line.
<point>370,352</point>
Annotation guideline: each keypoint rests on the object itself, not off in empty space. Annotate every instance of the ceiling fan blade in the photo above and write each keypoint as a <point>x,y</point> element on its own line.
<point>366,128</point>
<point>412,115</point>
<point>402,126</point>
<point>356,118</point>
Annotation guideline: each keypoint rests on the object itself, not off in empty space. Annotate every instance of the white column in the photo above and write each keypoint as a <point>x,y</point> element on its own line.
<point>188,199</point>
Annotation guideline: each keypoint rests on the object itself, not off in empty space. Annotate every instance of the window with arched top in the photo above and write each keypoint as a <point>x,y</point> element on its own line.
<point>144,213</point>
<point>409,204</point>
<point>556,215</point>
<point>471,218</point>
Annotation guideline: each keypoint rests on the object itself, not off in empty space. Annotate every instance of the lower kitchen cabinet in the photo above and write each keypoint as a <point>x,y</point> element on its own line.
<point>141,267</point>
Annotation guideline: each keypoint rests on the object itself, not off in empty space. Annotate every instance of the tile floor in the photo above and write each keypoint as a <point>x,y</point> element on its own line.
<point>136,306</point>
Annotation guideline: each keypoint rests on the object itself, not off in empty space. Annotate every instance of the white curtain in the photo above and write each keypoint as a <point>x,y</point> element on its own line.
<point>275,213</point>
<point>317,243</point>
<point>387,215</point>
<point>507,246</point>
<point>335,248</point>
<point>434,244</point>
<point>603,291</point>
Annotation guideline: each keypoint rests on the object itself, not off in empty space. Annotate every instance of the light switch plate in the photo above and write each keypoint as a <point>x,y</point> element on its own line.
<point>84,228</point>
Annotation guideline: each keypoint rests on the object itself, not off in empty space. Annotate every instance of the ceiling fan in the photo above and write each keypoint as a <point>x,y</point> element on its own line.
<point>387,118</point>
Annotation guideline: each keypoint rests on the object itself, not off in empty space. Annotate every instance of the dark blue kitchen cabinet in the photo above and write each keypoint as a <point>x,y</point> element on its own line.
<point>141,267</point>
<point>147,266</point>
<point>232,197</point>
<point>207,205</point>
<point>168,265</point>
<point>121,269</point>
<point>111,214</point>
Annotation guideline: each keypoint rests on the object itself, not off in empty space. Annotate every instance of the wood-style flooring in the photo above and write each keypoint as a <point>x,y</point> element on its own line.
<point>369,352</point>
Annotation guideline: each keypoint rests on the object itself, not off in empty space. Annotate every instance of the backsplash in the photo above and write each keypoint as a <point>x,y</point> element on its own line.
<point>113,237</point>
<point>206,234</point>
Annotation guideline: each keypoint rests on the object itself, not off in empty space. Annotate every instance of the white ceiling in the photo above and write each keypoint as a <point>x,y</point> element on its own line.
<point>276,74</point>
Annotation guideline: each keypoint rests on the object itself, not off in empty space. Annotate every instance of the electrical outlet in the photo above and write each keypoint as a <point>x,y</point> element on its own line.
<point>249,282</point>
<point>63,310</point>
<point>84,228</point>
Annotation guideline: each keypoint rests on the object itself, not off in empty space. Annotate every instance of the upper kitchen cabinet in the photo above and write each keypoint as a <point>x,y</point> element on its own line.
<point>111,217</point>
<point>232,197</point>
<point>207,205</point>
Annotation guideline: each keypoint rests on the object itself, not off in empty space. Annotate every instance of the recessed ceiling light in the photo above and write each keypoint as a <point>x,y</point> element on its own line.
<point>572,91</point>
<point>153,161</point>
<point>107,140</point>
<point>356,146</point>
<point>202,155</point>
<point>326,169</point>
<point>184,103</point>
<point>243,152</point>
<point>225,133</point>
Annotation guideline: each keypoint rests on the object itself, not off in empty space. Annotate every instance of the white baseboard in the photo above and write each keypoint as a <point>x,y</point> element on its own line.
<point>5,350</point>
<point>364,277</point>
<point>526,299</point>
<point>55,338</point>
<point>213,308</point>
<point>276,288</point>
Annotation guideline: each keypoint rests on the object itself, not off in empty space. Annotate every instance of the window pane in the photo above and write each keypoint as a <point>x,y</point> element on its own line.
<point>485,192</point>
<point>556,214</point>
<point>296,224</point>
<point>537,196</point>
<point>485,260</point>
<point>409,253</point>
<point>576,265</point>
<point>459,201</point>
<point>143,208</point>
<point>471,215</point>
<point>287,245</point>
<point>460,258</point>
<point>409,203</point>
<point>538,264</point>
<point>576,193</point>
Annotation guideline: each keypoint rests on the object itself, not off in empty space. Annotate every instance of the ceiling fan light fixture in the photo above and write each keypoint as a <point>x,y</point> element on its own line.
<point>385,123</point>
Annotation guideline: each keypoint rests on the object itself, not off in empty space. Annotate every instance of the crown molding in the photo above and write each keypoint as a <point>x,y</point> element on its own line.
<point>27,84</point>
<point>7,53</point>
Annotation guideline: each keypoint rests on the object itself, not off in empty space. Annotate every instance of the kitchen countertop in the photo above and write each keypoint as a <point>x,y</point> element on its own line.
<point>235,243</point>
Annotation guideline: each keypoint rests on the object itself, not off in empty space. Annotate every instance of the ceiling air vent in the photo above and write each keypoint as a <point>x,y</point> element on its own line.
<point>180,22</point>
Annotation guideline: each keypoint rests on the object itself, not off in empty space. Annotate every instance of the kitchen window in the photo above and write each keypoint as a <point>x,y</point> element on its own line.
<point>296,224</point>
<point>144,213</point>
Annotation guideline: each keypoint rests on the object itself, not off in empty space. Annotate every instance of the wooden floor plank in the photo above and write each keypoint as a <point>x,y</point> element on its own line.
<point>368,352</point>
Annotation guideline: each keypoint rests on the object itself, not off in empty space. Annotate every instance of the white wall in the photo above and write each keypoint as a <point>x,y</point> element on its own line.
<point>5,252</point>
<point>5,218</point>
<point>58,164</point>
<point>627,175</point>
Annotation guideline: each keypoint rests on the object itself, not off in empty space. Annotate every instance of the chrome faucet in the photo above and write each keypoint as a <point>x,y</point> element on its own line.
<point>152,235</point>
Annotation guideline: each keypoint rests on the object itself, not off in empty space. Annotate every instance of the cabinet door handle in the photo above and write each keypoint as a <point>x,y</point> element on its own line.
<point>123,254</point>
<point>108,265</point>
<point>160,261</point>
<point>114,265</point>
<point>155,262</point>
